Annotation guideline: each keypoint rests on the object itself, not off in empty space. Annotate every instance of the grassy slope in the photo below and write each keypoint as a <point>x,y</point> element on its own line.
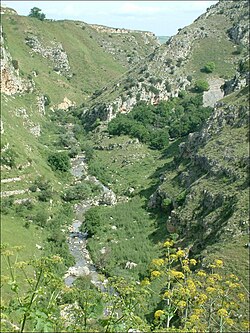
<point>91,65</point>
<point>138,230</point>
<point>216,48</point>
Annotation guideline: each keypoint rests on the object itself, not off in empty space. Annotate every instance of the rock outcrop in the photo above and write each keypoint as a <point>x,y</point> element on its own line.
<point>11,83</point>
<point>169,68</point>
<point>54,52</point>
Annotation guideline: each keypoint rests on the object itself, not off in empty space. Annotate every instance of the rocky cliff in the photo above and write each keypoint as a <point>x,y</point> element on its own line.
<point>175,65</point>
<point>206,187</point>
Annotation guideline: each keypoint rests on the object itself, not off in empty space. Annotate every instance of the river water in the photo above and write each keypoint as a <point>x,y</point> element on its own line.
<point>77,240</point>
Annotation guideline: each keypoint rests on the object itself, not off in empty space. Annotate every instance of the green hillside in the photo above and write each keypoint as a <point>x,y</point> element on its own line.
<point>158,138</point>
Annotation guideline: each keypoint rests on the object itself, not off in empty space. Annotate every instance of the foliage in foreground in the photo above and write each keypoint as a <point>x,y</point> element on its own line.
<point>192,300</point>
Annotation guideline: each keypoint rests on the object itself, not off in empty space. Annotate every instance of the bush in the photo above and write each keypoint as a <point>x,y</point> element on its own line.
<point>92,221</point>
<point>46,100</point>
<point>201,85</point>
<point>15,64</point>
<point>59,161</point>
<point>168,86</point>
<point>45,195</point>
<point>8,158</point>
<point>209,67</point>
<point>41,218</point>
<point>81,191</point>
<point>154,90</point>
<point>7,204</point>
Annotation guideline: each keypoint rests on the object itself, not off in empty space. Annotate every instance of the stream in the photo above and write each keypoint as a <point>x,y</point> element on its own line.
<point>77,240</point>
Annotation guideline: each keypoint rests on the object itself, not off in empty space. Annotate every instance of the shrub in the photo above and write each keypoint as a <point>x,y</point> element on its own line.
<point>15,64</point>
<point>7,204</point>
<point>239,49</point>
<point>154,90</point>
<point>189,78</point>
<point>47,100</point>
<point>201,85</point>
<point>59,161</point>
<point>45,195</point>
<point>244,66</point>
<point>168,86</point>
<point>8,158</point>
<point>81,191</point>
<point>41,218</point>
<point>209,67</point>
<point>92,221</point>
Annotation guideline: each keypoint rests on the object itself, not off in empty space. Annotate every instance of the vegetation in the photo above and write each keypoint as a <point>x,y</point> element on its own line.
<point>191,299</point>
<point>153,124</point>
<point>201,86</point>
<point>209,67</point>
<point>192,190</point>
<point>37,13</point>
<point>59,161</point>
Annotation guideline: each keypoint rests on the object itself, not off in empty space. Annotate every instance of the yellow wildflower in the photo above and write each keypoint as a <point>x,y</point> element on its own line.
<point>158,314</point>
<point>210,290</point>
<point>56,259</point>
<point>232,285</point>
<point>201,274</point>
<point>182,304</point>
<point>218,263</point>
<point>167,294</point>
<point>222,312</point>
<point>186,269</point>
<point>210,280</point>
<point>234,277</point>
<point>229,321</point>
<point>158,262</point>
<point>241,296</point>
<point>8,253</point>
<point>168,243</point>
<point>4,278</point>
<point>155,273</point>
<point>18,248</point>
<point>145,282</point>
<point>216,277</point>
<point>202,298</point>
<point>198,311</point>
<point>21,264</point>
<point>173,256</point>
<point>177,274</point>
<point>180,253</point>
<point>220,291</point>
<point>185,261</point>
<point>191,285</point>
<point>193,318</point>
<point>245,325</point>
<point>193,262</point>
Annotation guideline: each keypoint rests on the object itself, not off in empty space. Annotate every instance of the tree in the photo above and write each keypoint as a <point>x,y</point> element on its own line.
<point>37,13</point>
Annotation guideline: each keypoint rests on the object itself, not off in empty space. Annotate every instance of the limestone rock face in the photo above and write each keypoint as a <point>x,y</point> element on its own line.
<point>66,104</point>
<point>55,53</point>
<point>165,71</point>
<point>214,93</point>
<point>7,11</point>
<point>11,83</point>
